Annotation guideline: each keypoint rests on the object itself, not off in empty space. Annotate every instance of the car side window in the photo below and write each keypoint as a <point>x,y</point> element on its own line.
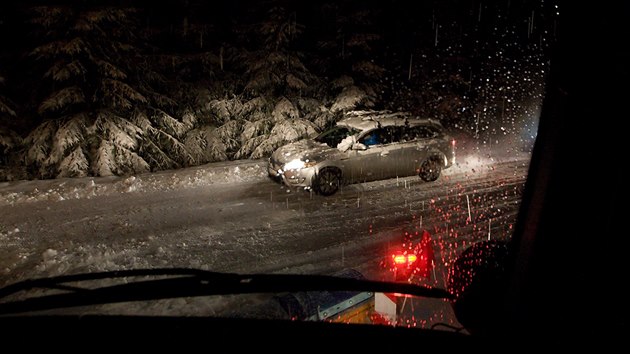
<point>407,134</point>
<point>425,133</point>
<point>334,136</point>
<point>388,135</point>
<point>370,139</point>
<point>376,137</point>
<point>415,133</point>
<point>398,134</point>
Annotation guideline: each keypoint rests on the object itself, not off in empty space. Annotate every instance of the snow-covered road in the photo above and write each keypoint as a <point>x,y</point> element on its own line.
<point>231,217</point>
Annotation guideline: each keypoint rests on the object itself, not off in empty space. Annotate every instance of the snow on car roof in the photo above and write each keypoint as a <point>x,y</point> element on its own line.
<point>366,120</point>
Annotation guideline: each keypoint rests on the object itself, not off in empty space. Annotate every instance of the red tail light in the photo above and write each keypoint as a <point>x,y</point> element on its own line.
<point>413,260</point>
<point>399,259</point>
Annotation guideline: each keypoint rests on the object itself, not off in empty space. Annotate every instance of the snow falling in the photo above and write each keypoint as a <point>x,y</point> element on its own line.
<point>233,218</point>
<point>157,156</point>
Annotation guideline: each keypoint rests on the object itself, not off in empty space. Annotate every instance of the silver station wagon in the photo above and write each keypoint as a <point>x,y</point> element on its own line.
<point>365,146</point>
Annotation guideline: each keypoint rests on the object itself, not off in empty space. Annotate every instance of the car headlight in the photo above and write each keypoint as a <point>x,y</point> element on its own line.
<point>298,164</point>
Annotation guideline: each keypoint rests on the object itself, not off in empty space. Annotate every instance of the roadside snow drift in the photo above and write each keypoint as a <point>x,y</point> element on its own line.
<point>89,187</point>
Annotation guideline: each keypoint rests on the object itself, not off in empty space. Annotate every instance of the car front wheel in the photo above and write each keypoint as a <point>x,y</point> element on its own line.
<point>430,170</point>
<point>327,181</point>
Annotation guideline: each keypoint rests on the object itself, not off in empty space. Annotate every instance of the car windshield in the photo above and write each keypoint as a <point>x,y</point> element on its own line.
<point>333,136</point>
<point>141,135</point>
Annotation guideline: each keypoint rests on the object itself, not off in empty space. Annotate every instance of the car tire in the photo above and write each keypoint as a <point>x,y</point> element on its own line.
<point>430,169</point>
<point>327,181</point>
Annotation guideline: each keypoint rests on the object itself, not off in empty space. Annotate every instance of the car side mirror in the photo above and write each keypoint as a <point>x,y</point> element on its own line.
<point>359,146</point>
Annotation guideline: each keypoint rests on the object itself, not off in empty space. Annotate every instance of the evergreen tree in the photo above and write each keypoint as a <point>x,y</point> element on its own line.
<point>277,79</point>
<point>274,66</point>
<point>97,116</point>
<point>9,140</point>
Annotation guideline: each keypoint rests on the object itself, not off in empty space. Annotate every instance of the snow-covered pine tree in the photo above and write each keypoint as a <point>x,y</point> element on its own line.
<point>315,110</point>
<point>206,144</point>
<point>97,117</point>
<point>197,73</point>
<point>286,131</point>
<point>278,79</point>
<point>350,98</point>
<point>38,145</point>
<point>275,68</point>
<point>217,137</point>
<point>260,138</point>
<point>9,143</point>
<point>84,88</point>
<point>255,131</point>
<point>6,107</point>
<point>346,52</point>
<point>224,110</point>
<point>9,140</point>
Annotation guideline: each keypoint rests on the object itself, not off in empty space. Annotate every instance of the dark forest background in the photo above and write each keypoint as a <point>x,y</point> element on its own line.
<point>96,88</point>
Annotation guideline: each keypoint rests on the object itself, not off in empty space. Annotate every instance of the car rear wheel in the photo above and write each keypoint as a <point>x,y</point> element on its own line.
<point>430,169</point>
<point>327,181</point>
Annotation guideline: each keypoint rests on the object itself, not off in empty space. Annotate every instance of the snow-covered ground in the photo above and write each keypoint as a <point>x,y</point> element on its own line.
<point>231,217</point>
<point>91,187</point>
<point>83,213</point>
<point>213,174</point>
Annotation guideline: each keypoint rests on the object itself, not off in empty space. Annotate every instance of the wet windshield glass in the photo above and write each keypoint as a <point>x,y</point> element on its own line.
<point>146,135</point>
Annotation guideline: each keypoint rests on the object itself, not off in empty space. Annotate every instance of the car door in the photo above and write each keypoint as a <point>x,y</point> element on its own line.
<point>411,151</point>
<point>371,163</point>
<point>423,141</point>
<point>396,156</point>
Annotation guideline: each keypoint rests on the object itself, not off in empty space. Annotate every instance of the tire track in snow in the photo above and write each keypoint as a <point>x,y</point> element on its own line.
<point>252,226</point>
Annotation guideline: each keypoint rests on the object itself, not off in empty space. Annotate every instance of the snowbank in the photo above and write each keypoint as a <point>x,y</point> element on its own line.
<point>89,187</point>
<point>471,158</point>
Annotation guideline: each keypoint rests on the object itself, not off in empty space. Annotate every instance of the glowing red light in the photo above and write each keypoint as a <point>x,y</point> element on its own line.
<point>453,142</point>
<point>399,259</point>
<point>404,259</point>
<point>414,260</point>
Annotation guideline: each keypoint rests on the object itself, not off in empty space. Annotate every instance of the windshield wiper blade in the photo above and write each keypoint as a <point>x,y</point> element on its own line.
<point>184,282</point>
<point>58,282</point>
